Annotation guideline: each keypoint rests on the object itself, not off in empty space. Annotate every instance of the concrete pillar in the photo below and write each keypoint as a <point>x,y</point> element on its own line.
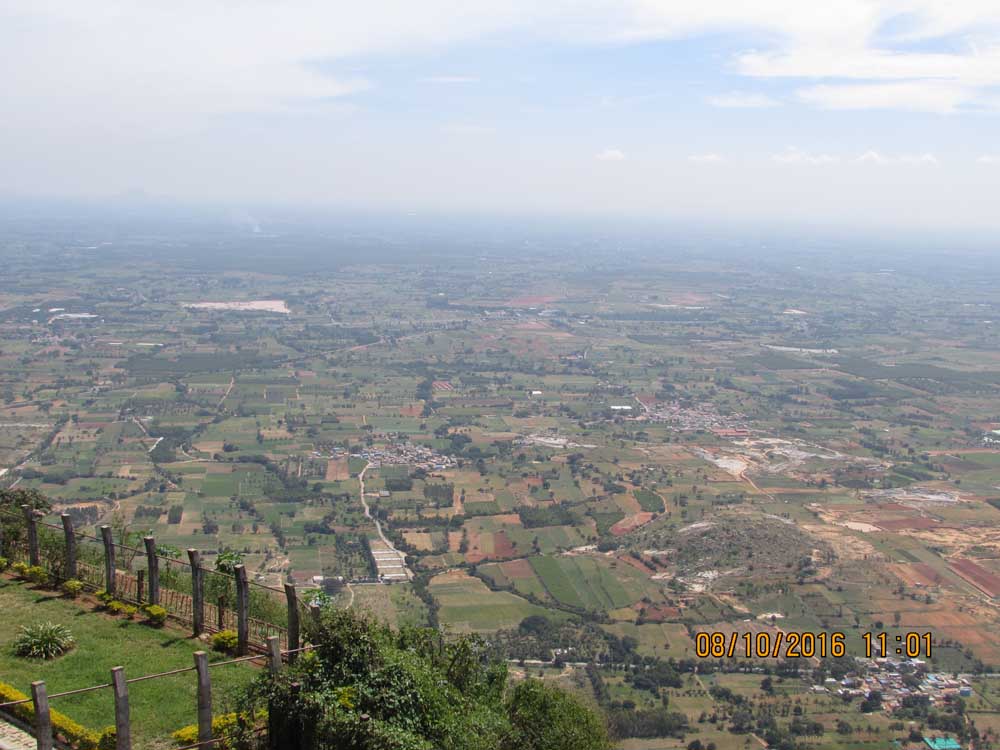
<point>32,523</point>
<point>123,724</point>
<point>274,654</point>
<point>291,596</point>
<point>70,536</point>
<point>204,699</point>
<point>242,610</point>
<point>153,566</point>
<point>43,719</point>
<point>197,592</point>
<point>109,559</point>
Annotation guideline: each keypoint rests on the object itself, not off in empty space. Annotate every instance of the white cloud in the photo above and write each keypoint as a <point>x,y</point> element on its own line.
<point>739,100</point>
<point>871,157</point>
<point>160,64</point>
<point>988,159</point>
<point>925,96</point>
<point>610,154</point>
<point>467,128</point>
<point>450,79</point>
<point>793,155</point>
<point>710,158</point>
<point>914,160</point>
<point>919,160</point>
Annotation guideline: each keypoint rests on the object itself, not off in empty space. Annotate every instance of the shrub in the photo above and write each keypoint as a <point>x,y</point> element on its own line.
<point>21,569</point>
<point>109,739</point>
<point>222,727</point>
<point>116,607</point>
<point>4,564</point>
<point>413,689</point>
<point>75,734</point>
<point>225,641</point>
<point>43,640</point>
<point>547,718</point>
<point>72,588</point>
<point>155,615</point>
<point>37,575</point>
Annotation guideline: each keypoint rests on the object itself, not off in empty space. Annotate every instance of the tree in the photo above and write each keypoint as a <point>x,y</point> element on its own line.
<point>12,500</point>
<point>872,703</point>
<point>368,687</point>
<point>546,718</point>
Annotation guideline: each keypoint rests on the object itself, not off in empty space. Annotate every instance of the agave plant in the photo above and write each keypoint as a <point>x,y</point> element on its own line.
<point>43,640</point>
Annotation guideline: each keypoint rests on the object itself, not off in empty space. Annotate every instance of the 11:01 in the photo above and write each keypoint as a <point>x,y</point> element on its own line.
<point>910,645</point>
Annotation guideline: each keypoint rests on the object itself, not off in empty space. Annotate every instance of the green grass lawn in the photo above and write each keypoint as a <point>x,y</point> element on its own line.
<point>158,707</point>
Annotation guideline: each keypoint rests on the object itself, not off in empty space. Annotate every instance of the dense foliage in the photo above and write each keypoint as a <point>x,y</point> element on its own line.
<point>367,686</point>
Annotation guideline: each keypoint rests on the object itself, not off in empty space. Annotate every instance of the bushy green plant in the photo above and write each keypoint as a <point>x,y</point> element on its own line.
<point>368,686</point>
<point>225,641</point>
<point>76,735</point>
<point>72,588</point>
<point>105,598</point>
<point>20,569</point>
<point>43,640</point>
<point>37,574</point>
<point>155,614</point>
<point>109,739</point>
<point>116,607</point>
<point>4,564</point>
<point>222,727</point>
<point>547,718</point>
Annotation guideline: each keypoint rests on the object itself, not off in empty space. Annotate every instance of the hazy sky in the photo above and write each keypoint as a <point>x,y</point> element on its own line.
<point>850,111</point>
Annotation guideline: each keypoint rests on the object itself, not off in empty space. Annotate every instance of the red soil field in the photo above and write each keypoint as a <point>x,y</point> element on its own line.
<point>638,565</point>
<point>916,574</point>
<point>502,546</point>
<point>895,524</point>
<point>629,523</point>
<point>517,570</point>
<point>659,613</point>
<point>336,470</point>
<point>978,576</point>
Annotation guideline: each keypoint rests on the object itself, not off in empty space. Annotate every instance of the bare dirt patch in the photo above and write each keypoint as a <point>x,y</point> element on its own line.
<point>898,524</point>
<point>916,574</point>
<point>419,539</point>
<point>518,570</point>
<point>336,470</point>
<point>982,579</point>
<point>412,410</point>
<point>630,523</point>
<point>502,546</point>
<point>637,564</point>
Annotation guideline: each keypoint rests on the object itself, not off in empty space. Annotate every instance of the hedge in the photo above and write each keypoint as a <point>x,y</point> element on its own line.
<point>74,734</point>
<point>221,726</point>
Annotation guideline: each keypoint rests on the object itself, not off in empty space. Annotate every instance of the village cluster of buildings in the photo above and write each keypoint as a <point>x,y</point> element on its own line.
<point>405,453</point>
<point>701,416</point>
<point>892,677</point>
